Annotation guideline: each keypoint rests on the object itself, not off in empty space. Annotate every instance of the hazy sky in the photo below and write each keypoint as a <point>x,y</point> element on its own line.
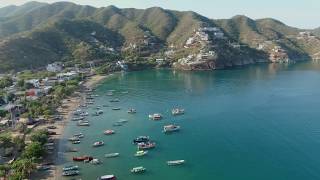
<point>298,13</point>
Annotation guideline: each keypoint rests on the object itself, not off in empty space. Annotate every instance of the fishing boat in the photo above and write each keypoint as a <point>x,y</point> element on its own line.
<point>139,169</point>
<point>111,155</point>
<point>141,139</point>
<point>132,111</point>
<point>155,116</point>
<point>175,162</point>
<point>116,108</point>
<point>147,145</point>
<point>98,144</point>
<point>82,158</point>
<point>70,168</point>
<point>76,142</point>
<point>177,111</point>
<point>170,128</point>
<point>70,173</point>
<point>78,118</point>
<point>114,100</point>
<point>107,177</point>
<point>109,132</point>
<point>140,153</point>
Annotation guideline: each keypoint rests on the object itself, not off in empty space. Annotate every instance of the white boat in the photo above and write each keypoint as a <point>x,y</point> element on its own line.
<point>170,128</point>
<point>155,116</point>
<point>74,138</point>
<point>139,169</point>
<point>107,177</point>
<point>132,111</point>
<point>109,132</point>
<point>78,118</point>
<point>116,108</point>
<point>95,161</point>
<point>69,168</point>
<point>84,114</point>
<point>109,94</point>
<point>79,135</point>
<point>175,162</point>
<point>177,111</point>
<point>111,155</point>
<point>122,121</point>
<point>98,143</point>
<point>76,142</point>
<point>140,153</point>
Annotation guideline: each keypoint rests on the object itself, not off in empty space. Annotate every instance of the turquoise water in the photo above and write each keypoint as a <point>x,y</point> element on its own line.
<point>254,123</point>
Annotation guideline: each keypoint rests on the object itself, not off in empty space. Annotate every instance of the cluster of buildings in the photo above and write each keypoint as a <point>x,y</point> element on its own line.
<point>204,35</point>
<point>279,55</point>
<point>306,35</point>
<point>148,41</point>
<point>201,57</point>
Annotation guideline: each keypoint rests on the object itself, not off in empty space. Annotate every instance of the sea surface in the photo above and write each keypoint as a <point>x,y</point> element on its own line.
<point>258,122</point>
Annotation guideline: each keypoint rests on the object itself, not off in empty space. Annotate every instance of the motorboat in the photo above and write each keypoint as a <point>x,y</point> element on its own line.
<point>177,111</point>
<point>117,124</point>
<point>141,139</point>
<point>79,135</point>
<point>132,111</point>
<point>155,116</point>
<point>76,142</point>
<point>107,177</point>
<point>78,118</point>
<point>70,168</point>
<point>122,121</point>
<point>111,155</point>
<point>170,128</point>
<point>70,173</point>
<point>175,162</point>
<point>139,169</point>
<point>109,132</point>
<point>72,150</point>
<point>98,144</point>
<point>147,145</point>
<point>140,153</point>
<point>114,100</point>
<point>83,124</point>
<point>84,114</point>
<point>116,108</point>
<point>74,138</point>
<point>109,94</point>
<point>95,161</point>
<point>82,158</point>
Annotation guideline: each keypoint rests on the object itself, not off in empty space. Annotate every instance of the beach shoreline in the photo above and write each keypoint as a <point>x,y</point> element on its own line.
<point>69,104</point>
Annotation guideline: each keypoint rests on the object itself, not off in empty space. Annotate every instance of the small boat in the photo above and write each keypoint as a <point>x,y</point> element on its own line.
<point>155,116</point>
<point>117,124</point>
<point>98,107</point>
<point>78,118</point>
<point>98,144</point>
<point>109,94</point>
<point>74,138</point>
<point>105,105</point>
<point>124,92</point>
<point>140,153</point>
<point>72,150</point>
<point>95,161</point>
<point>175,162</point>
<point>170,128</point>
<point>114,100</point>
<point>116,108</point>
<point>177,111</point>
<point>141,139</point>
<point>76,142</point>
<point>83,124</point>
<point>84,114</point>
<point>122,121</point>
<point>99,112</point>
<point>70,173</point>
<point>79,135</point>
<point>107,177</point>
<point>132,111</point>
<point>70,168</point>
<point>139,169</point>
<point>90,102</point>
<point>82,158</point>
<point>111,155</point>
<point>109,132</point>
<point>147,145</point>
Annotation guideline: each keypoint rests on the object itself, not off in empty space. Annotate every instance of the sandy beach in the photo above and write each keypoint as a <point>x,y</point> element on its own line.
<point>69,105</point>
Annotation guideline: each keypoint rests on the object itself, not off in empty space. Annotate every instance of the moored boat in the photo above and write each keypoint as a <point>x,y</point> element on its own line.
<point>74,138</point>
<point>111,155</point>
<point>70,173</point>
<point>107,177</point>
<point>155,116</point>
<point>146,145</point>
<point>132,111</point>
<point>114,100</point>
<point>141,139</point>
<point>76,142</point>
<point>109,132</point>
<point>140,153</point>
<point>116,108</point>
<point>139,169</point>
<point>175,162</point>
<point>70,168</point>
<point>78,118</point>
<point>82,158</point>
<point>98,143</point>
<point>95,161</point>
<point>177,111</point>
<point>170,128</point>
<point>83,124</point>
<point>79,135</point>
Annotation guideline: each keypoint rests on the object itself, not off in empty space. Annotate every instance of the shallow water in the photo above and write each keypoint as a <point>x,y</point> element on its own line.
<point>258,122</point>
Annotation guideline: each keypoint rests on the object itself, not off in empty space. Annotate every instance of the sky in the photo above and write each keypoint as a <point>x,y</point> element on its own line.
<point>298,13</point>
